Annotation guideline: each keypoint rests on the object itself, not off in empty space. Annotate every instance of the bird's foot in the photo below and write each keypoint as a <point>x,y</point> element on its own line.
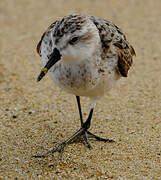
<point>99,138</point>
<point>59,148</point>
<point>80,136</point>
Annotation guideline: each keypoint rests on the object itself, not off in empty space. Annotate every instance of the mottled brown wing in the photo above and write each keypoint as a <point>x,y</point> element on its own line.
<point>39,44</point>
<point>111,35</point>
<point>38,48</point>
<point>125,56</point>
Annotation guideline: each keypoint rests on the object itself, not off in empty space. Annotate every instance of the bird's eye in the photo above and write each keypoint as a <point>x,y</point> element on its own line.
<point>73,40</point>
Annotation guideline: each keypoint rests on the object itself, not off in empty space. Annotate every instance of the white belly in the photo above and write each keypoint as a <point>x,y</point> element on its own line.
<point>83,79</point>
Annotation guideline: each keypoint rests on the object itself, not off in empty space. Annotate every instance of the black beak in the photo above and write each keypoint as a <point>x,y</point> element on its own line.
<point>55,56</point>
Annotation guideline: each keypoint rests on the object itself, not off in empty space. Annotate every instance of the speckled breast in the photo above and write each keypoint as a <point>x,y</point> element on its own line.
<point>75,78</point>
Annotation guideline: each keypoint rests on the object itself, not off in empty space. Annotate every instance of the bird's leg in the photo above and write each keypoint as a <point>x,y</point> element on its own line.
<point>89,133</point>
<point>81,120</point>
<point>79,108</point>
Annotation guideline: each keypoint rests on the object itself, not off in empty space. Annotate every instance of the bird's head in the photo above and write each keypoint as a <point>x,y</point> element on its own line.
<point>74,38</point>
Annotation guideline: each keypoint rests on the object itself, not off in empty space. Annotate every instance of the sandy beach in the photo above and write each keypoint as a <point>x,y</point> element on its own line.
<point>35,117</point>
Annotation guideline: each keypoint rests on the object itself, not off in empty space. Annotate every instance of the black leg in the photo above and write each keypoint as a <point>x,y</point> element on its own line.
<point>79,108</point>
<point>87,124</point>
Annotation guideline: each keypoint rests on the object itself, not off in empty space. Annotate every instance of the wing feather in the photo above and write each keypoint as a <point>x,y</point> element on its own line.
<point>38,47</point>
<point>111,35</point>
<point>125,58</point>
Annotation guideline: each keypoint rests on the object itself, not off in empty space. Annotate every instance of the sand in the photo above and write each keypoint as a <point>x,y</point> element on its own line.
<point>35,116</point>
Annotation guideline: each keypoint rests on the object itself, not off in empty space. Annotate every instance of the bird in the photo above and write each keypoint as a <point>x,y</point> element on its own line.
<point>86,56</point>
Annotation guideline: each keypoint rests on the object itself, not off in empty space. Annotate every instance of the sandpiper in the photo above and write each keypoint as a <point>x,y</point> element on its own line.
<point>86,56</point>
